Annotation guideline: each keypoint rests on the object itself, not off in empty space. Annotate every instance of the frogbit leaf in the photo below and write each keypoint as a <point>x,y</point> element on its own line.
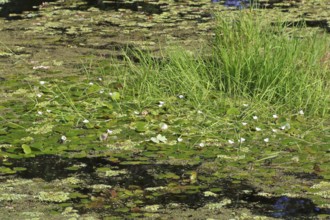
<point>26,149</point>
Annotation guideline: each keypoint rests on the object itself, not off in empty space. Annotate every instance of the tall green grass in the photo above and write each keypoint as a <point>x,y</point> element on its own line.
<point>251,58</point>
<point>272,63</point>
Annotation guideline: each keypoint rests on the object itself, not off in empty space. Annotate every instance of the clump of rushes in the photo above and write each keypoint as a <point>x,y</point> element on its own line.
<point>252,59</point>
<point>271,62</point>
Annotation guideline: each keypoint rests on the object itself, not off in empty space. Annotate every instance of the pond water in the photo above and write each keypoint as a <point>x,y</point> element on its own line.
<point>52,52</point>
<point>146,178</point>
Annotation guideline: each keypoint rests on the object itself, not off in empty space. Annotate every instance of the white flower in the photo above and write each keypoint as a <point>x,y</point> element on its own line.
<point>266,140</point>
<point>136,112</point>
<point>39,95</point>
<point>181,96</point>
<point>161,103</point>
<point>255,117</point>
<point>100,79</point>
<point>286,126</point>
<point>274,130</point>
<point>301,112</point>
<point>244,123</point>
<point>199,112</point>
<point>48,110</point>
<point>245,105</point>
<point>63,138</point>
<point>40,113</point>
<point>275,116</point>
<point>180,139</point>
<point>164,126</point>
<point>258,129</point>
<point>231,142</point>
<point>91,83</point>
<point>109,131</point>
<point>241,140</point>
<point>85,121</point>
<point>42,82</point>
<point>201,145</point>
<point>101,91</point>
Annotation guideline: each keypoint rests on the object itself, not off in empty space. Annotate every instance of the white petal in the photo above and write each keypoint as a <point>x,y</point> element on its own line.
<point>258,129</point>
<point>180,139</point>
<point>301,112</point>
<point>85,121</point>
<point>241,140</point>
<point>40,67</point>
<point>42,82</point>
<point>244,123</point>
<point>266,140</point>
<point>231,142</point>
<point>275,116</point>
<point>255,117</point>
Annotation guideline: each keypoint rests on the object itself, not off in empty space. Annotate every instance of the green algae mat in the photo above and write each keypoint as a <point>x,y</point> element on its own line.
<point>75,145</point>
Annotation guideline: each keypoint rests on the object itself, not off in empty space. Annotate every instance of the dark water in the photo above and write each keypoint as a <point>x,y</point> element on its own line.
<point>18,6</point>
<point>50,167</point>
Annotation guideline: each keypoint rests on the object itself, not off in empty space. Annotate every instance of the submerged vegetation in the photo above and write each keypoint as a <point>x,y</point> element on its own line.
<point>238,128</point>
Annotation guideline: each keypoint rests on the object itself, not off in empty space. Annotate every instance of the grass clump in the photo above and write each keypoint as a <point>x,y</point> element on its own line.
<point>251,58</point>
<point>271,62</point>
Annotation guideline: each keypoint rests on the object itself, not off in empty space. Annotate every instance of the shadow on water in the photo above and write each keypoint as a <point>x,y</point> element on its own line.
<point>142,6</point>
<point>17,7</point>
<point>142,176</point>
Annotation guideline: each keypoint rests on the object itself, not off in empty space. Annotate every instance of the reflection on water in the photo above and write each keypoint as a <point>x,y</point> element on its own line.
<point>237,3</point>
<point>285,206</point>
